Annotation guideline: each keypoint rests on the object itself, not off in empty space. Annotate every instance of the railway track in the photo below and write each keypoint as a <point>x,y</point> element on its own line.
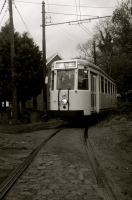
<point>8,183</point>
<point>105,191</point>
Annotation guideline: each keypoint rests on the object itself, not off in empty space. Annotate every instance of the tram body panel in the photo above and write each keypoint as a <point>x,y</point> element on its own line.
<point>78,100</point>
<point>107,101</point>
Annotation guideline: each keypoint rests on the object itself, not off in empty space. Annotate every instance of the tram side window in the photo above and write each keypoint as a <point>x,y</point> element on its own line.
<point>52,81</point>
<point>115,90</point>
<point>105,86</point>
<point>109,87</point>
<point>102,84</point>
<point>83,82</point>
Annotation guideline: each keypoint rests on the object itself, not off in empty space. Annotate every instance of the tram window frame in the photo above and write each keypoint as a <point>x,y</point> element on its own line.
<point>85,80</point>
<point>109,88</point>
<point>106,85</point>
<point>52,80</point>
<point>102,84</point>
<point>99,83</point>
<point>115,91</point>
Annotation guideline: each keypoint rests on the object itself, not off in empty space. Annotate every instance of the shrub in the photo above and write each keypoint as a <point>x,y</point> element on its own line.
<point>124,108</point>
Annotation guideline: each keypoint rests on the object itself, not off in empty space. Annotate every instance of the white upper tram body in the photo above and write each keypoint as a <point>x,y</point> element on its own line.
<point>80,88</point>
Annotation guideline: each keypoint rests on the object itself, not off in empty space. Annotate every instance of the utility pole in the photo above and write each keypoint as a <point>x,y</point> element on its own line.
<point>131,7</point>
<point>95,60</point>
<point>14,90</point>
<point>44,64</point>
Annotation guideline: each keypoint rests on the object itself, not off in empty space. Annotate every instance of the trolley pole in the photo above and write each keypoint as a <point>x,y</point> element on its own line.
<point>44,64</point>
<point>14,89</point>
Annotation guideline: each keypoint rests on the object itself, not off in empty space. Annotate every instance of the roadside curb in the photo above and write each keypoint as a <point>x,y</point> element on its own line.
<point>10,129</point>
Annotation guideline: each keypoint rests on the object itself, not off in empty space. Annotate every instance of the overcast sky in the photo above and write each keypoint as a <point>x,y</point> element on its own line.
<point>59,38</point>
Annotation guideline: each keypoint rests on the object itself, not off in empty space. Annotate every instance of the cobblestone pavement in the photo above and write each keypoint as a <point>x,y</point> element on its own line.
<point>60,171</point>
<point>14,148</point>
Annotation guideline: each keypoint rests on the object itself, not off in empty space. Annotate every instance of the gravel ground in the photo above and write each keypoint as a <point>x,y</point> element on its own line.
<point>112,141</point>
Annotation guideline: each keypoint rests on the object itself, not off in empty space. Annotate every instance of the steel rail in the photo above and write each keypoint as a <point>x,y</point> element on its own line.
<point>6,185</point>
<point>104,188</point>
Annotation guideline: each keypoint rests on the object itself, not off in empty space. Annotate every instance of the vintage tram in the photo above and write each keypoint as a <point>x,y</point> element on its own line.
<point>80,88</point>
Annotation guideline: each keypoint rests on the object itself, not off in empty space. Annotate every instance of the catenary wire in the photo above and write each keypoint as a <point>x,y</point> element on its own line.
<point>70,14</point>
<point>73,39</point>
<point>2,7</point>
<point>69,32</point>
<point>65,35</point>
<point>91,33</point>
<point>87,30</point>
<point>76,9</point>
<point>3,17</point>
<point>74,36</point>
<point>111,7</point>
<point>48,6</point>
<point>80,10</point>
<point>84,29</point>
<point>77,21</point>
<point>22,19</point>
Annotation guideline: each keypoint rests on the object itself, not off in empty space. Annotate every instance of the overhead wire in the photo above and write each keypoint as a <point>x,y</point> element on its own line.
<point>80,10</point>
<point>70,14</point>
<point>48,7</point>
<point>70,33</point>
<point>80,17</point>
<point>28,2</point>
<point>84,29</point>
<point>58,28</point>
<point>87,30</point>
<point>2,7</point>
<point>3,17</point>
<point>22,19</point>
<point>76,9</point>
<point>65,35</point>
<point>76,21</point>
<point>33,2</point>
<point>81,26</point>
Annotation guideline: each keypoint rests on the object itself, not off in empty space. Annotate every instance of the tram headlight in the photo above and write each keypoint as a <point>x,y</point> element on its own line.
<point>64,102</point>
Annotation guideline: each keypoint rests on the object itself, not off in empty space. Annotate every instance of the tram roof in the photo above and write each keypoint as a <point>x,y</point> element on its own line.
<point>87,64</point>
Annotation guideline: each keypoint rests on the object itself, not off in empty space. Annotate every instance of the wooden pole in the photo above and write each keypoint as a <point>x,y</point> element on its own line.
<point>14,90</point>
<point>44,64</point>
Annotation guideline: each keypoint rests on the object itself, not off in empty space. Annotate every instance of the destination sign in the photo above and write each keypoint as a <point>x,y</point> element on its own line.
<point>65,65</point>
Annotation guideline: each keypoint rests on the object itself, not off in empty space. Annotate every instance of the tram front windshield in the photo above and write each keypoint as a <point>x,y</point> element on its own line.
<point>65,79</point>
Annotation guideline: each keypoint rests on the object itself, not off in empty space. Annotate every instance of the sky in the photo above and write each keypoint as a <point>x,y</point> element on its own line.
<point>60,38</point>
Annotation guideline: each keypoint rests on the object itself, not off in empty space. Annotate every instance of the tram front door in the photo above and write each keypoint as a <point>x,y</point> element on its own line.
<point>93,92</point>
